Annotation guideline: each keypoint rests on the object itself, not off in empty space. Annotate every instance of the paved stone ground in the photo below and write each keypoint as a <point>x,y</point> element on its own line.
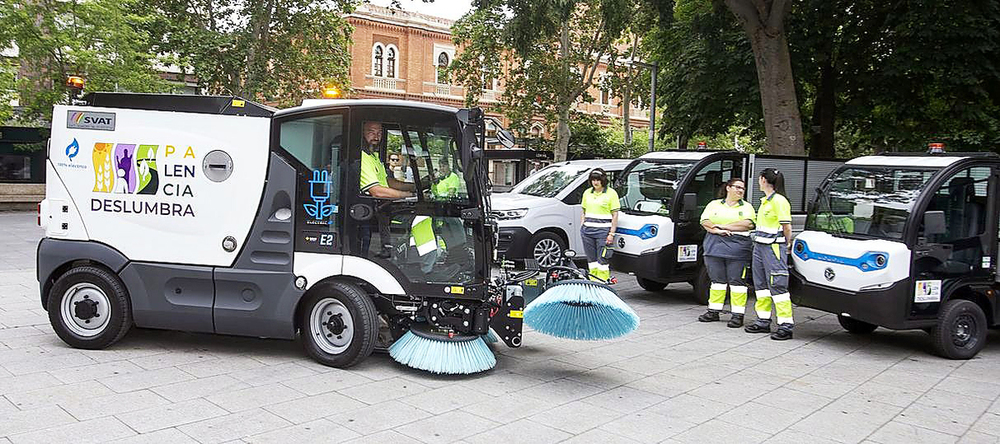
<point>675,380</point>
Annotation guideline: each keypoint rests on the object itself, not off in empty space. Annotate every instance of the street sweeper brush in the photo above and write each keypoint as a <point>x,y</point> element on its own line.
<point>582,310</point>
<point>456,354</point>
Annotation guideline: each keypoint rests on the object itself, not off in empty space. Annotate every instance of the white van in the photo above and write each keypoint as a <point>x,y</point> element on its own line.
<point>540,216</point>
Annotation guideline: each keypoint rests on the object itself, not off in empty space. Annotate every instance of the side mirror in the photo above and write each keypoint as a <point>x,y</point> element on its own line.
<point>688,204</point>
<point>506,138</point>
<point>934,223</point>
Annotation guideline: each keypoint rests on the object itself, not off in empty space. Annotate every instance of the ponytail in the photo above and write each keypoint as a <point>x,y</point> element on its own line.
<point>775,179</point>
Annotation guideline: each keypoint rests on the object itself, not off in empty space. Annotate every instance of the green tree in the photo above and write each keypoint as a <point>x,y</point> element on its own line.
<point>101,40</point>
<point>554,49</point>
<point>278,51</point>
<point>8,89</point>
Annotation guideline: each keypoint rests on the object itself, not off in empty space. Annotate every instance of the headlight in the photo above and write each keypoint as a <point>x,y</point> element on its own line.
<point>510,214</point>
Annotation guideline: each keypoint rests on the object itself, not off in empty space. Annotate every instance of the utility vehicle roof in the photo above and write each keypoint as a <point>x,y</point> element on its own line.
<point>330,103</point>
<point>678,155</point>
<point>915,161</point>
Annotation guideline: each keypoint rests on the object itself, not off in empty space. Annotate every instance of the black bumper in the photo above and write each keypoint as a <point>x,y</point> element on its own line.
<point>887,307</point>
<point>513,243</point>
<point>661,266</point>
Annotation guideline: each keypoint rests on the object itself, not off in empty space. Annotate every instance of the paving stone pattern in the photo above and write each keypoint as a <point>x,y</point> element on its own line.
<point>674,380</point>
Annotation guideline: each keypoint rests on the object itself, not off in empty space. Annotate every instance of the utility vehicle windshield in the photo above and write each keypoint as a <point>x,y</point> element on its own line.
<point>549,181</point>
<point>867,201</point>
<point>650,186</point>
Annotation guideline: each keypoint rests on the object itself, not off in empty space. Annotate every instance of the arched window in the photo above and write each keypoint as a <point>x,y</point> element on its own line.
<point>536,131</point>
<point>377,60</point>
<point>390,61</point>
<point>442,66</point>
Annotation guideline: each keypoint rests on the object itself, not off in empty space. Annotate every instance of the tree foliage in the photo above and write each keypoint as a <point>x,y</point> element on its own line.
<point>103,40</point>
<point>553,49</point>
<point>267,50</point>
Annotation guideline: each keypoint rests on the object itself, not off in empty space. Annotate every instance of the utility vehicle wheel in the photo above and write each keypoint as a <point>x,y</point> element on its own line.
<point>650,285</point>
<point>961,330</point>
<point>547,249</point>
<point>89,307</point>
<point>339,325</point>
<point>855,326</point>
<point>701,285</point>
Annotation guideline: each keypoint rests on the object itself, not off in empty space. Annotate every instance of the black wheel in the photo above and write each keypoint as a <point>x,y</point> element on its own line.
<point>547,249</point>
<point>650,285</point>
<point>89,307</point>
<point>855,326</point>
<point>701,285</point>
<point>339,324</point>
<point>961,330</point>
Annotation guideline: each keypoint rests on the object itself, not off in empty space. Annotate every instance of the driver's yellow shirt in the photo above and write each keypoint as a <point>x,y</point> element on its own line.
<point>372,171</point>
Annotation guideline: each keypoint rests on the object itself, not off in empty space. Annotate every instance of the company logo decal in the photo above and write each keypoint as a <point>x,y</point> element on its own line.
<point>72,150</point>
<point>320,190</point>
<point>131,169</point>
<point>90,120</point>
<point>829,274</point>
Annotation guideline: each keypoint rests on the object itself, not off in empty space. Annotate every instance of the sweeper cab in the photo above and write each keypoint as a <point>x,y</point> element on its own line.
<point>220,215</point>
<point>906,242</point>
<point>663,194</point>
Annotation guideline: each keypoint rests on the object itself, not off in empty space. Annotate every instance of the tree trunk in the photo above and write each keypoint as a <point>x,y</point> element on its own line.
<point>763,21</point>
<point>682,141</point>
<point>826,103</point>
<point>782,122</point>
<point>561,149</point>
<point>626,101</point>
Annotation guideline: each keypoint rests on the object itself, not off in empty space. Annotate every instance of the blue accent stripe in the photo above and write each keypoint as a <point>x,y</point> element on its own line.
<point>647,231</point>
<point>870,261</point>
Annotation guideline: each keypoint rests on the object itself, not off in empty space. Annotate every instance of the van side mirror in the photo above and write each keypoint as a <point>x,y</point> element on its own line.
<point>689,202</point>
<point>934,223</point>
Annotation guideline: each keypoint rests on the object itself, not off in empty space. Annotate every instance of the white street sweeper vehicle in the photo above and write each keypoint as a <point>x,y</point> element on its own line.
<point>906,242</point>
<point>663,194</point>
<point>219,215</point>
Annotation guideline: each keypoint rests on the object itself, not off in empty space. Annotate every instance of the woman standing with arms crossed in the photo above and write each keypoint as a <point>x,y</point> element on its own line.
<point>597,226</point>
<point>727,248</point>
<point>772,239</point>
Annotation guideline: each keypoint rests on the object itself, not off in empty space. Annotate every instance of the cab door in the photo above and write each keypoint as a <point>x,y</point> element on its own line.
<point>422,238</point>
<point>705,183</point>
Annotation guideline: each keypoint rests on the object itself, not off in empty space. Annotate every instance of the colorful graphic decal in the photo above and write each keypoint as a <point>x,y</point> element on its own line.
<point>320,190</point>
<point>104,177</point>
<point>125,177</point>
<point>149,180</point>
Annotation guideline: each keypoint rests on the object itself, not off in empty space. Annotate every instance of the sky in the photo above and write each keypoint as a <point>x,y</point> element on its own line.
<point>449,9</point>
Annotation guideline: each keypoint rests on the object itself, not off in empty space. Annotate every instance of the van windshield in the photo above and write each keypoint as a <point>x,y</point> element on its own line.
<point>867,202</point>
<point>650,186</point>
<point>550,180</point>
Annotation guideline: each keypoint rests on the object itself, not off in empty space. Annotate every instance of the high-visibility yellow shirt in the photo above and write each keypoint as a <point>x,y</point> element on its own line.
<point>773,212</point>
<point>372,171</point>
<point>448,187</point>
<point>598,207</point>
<point>720,213</point>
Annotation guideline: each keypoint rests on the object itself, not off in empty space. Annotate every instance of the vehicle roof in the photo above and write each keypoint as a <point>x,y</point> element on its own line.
<point>331,103</point>
<point>607,164</point>
<point>678,155</point>
<point>928,161</point>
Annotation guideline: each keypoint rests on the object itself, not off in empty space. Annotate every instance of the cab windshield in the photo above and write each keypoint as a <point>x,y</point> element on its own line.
<point>549,181</point>
<point>867,202</point>
<point>650,186</point>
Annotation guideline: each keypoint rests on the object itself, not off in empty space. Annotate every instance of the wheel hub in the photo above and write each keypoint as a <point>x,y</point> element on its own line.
<point>964,330</point>
<point>335,324</point>
<point>547,252</point>
<point>330,323</point>
<point>86,309</point>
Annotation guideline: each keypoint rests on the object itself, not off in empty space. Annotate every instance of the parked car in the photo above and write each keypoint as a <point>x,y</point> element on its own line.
<point>540,216</point>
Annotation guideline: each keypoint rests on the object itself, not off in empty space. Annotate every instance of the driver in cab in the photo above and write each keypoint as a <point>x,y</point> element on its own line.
<point>374,180</point>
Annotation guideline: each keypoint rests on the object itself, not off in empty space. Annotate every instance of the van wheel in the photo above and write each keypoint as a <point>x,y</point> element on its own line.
<point>961,330</point>
<point>650,285</point>
<point>339,325</point>
<point>89,308</point>
<point>547,249</point>
<point>701,285</point>
<point>855,326</point>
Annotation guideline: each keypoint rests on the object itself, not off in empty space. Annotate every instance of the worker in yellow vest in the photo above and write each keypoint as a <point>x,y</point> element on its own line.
<point>727,248</point>
<point>772,239</point>
<point>448,182</point>
<point>598,223</point>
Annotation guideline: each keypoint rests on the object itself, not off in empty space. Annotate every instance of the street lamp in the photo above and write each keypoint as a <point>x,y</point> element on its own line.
<point>654,69</point>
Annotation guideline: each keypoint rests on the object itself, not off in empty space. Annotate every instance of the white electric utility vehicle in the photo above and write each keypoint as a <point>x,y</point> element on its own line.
<point>219,215</point>
<point>663,194</point>
<point>906,242</point>
<point>540,217</point>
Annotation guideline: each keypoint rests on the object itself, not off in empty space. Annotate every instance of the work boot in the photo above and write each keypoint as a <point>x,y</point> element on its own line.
<point>761,326</point>
<point>783,333</point>
<point>736,321</point>
<point>709,316</point>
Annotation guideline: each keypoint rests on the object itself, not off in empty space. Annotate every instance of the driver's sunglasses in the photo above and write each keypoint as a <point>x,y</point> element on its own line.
<point>738,187</point>
<point>393,159</point>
